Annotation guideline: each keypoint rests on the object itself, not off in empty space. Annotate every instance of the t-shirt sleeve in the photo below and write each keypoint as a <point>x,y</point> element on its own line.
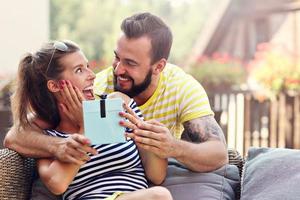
<point>104,82</point>
<point>193,100</point>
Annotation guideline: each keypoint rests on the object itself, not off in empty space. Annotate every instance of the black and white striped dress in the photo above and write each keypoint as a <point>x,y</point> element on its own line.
<point>116,167</point>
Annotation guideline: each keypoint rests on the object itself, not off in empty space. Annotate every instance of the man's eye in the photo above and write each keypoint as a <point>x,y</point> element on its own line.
<point>117,58</point>
<point>131,63</point>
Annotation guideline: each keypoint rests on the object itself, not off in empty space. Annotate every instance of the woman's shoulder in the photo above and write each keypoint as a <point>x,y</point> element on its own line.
<point>121,95</point>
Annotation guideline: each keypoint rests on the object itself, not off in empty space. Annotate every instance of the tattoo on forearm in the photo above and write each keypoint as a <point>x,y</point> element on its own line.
<point>203,129</point>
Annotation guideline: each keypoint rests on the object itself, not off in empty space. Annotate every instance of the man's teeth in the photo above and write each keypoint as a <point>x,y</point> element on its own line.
<point>122,78</point>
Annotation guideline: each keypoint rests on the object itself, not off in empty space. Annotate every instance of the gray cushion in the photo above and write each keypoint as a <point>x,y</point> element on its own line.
<point>40,192</point>
<point>186,185</point>
<point>182,183</point>
<point>271,174</point>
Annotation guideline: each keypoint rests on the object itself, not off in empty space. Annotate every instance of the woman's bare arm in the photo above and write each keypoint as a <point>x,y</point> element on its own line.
<point>57,175</point>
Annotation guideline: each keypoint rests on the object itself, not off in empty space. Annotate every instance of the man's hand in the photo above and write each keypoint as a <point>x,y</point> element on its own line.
<point>155,137</point>
<point>150,135</point>
<point>31,142</point>
<point>205,152</point>
<point>72,102</point>
<point>74,149</point>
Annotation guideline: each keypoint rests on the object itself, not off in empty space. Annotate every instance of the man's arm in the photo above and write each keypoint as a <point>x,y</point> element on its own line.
<point>207,139</point>
<point>207,152</point>
<point>31,142</point>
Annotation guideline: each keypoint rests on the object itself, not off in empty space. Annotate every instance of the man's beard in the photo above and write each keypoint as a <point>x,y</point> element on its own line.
<point>135,89</point>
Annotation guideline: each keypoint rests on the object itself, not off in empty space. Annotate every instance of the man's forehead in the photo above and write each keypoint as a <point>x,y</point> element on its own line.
<point>132,47</point>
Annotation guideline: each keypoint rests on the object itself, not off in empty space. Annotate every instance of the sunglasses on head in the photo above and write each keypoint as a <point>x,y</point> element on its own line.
<point>57,45</point>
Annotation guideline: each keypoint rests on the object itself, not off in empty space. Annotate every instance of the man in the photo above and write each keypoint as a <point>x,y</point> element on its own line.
<point>180,122</point>
<point>175,105</point>
<point>165,93</point>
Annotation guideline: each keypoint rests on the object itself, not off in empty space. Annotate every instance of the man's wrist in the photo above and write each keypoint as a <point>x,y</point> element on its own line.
<point>178,148</point>
<point>54,145</point>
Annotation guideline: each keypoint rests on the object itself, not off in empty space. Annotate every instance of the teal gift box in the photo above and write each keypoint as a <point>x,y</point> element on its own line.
<point>101,121</point>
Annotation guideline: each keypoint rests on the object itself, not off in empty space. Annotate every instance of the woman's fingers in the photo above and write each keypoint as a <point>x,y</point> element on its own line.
<point>72,99</point>
<point>132,118</point>
<point>68,93</point>
<point>130,111</point>
<point>76,95</point>
<point>128,124</point>
<point>79,94</point>
<point>71,95</point>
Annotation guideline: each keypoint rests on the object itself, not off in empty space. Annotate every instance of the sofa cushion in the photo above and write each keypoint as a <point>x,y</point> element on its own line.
<point>188,185</point>
<point>41,192</point>
<point>271,173</point>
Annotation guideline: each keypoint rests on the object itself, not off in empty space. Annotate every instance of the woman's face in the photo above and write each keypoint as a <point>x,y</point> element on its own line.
<point>77,71</point>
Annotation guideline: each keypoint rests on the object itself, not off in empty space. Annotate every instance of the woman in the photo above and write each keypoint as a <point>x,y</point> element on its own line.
<point>117,171</point>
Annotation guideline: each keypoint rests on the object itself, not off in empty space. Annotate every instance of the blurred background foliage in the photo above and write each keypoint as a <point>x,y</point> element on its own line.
<point>275,69</point>
<point>219,72</point>
<point>95,24</point>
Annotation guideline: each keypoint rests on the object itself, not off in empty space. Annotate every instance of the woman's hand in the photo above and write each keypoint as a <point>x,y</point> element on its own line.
<point>133,119</point>
<point>72,99</point>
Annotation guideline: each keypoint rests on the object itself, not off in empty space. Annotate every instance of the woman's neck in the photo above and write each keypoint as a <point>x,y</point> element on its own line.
<point>67,126</point>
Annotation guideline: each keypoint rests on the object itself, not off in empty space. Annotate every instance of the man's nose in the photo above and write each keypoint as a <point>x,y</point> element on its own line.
<point>119,68</point>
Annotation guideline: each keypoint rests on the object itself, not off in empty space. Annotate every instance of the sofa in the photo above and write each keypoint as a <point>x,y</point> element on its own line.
<point>17,174</point>
<point>266,173</point>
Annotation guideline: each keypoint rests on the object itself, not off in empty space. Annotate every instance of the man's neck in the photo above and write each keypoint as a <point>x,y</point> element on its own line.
<point>143,97</point>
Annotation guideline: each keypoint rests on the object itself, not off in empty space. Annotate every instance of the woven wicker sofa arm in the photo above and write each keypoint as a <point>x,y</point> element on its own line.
<point>16,175</point>
<point>235,158</point>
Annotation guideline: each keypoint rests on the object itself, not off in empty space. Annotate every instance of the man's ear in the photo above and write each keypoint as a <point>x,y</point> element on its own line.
<point>159,66</point>
<point>53,86</point>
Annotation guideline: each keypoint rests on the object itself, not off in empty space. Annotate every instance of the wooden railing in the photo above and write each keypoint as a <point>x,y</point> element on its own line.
<point>248,121</point>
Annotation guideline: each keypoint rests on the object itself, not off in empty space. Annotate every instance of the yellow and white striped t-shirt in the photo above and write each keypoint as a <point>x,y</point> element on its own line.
<point>177,99</point>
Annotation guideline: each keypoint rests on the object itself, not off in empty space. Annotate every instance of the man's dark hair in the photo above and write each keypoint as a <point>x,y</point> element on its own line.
<point>146,24</point>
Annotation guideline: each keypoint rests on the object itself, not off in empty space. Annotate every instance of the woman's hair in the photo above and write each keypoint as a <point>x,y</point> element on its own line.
<point>32,96</point>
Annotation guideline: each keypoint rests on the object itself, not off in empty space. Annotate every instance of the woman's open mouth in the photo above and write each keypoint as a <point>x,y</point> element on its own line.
<point>88,93</point>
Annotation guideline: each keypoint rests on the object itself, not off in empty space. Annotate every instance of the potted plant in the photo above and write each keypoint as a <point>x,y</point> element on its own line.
<point>275,69</point>
<point>218,73</point>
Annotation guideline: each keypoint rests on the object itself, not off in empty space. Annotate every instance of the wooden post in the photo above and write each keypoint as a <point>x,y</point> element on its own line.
<point>247,131</point>
<point>296,138</point>
<point>282,121</point>
<point>273,121</point>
